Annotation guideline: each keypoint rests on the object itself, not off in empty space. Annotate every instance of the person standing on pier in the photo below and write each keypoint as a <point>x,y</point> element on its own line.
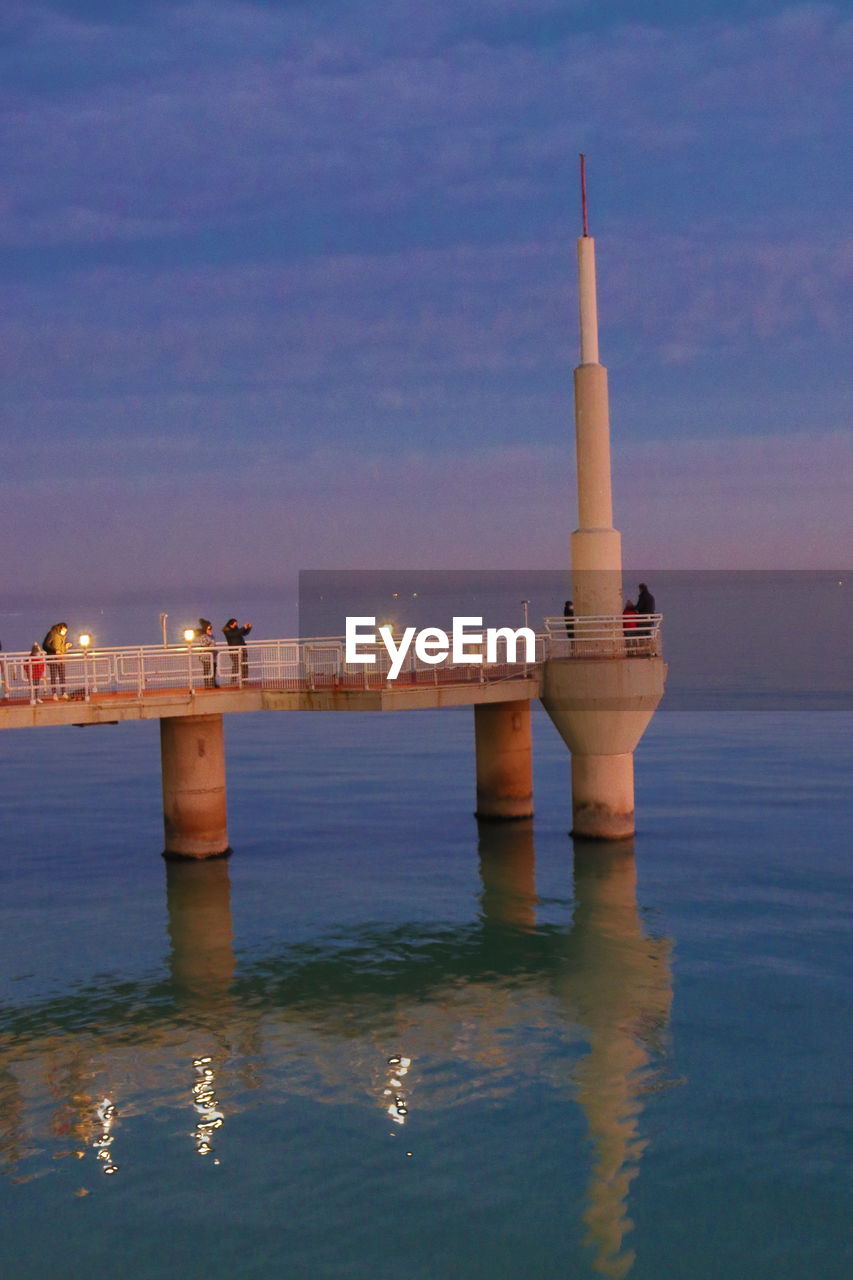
<point>569,615</point>
<point>235,635</point>
<point>34,668</point>
<point>205,640</point>
<point>645,605</point>
<point>56,645</point>
<point>629,625</point>
<point>645,600</point>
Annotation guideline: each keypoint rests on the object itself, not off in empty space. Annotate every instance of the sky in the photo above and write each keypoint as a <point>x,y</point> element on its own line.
<point>291,285</point>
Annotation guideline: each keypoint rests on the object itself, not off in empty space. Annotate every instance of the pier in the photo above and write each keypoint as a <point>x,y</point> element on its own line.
<point>179,686</point>
<point>599,681</point>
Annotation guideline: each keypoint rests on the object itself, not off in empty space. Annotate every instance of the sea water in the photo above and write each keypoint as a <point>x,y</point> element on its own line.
<point>381,1040</point>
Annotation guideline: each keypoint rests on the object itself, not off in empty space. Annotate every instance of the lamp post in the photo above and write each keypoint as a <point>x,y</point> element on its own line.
<point>84,641</point>
<point>163,617</point>
<point>189,636</point>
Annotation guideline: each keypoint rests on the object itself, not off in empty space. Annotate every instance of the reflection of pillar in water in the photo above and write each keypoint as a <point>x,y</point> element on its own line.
<point>508,872</point>
<point>12,1136</point>
<point>622,990</point>
<point>70,1079</point>
<point>199,905</point>
<point>202,966</point>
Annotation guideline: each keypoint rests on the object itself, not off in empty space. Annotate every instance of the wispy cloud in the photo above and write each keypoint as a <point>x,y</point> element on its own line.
<point>400,327</point>
<point>195,112</point>
<point>260,520</point>
<point>317,260</point>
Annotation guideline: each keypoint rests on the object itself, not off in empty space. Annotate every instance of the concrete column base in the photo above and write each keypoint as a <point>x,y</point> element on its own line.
<point>504,761</point>
<point>192,753</point>
<point>603,796</point>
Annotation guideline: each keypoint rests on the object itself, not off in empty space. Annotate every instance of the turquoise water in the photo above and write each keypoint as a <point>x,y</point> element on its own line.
<point>610,1064</point>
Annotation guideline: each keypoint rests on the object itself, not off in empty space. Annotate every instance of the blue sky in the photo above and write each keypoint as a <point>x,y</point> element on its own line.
<point>292,285</point>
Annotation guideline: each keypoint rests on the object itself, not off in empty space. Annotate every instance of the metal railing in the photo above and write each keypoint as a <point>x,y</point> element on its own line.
<point>312,664</point>
<point>605,636</point>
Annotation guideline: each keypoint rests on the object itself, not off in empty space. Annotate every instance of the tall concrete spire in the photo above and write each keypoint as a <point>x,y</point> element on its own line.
<point>601,696</point>
<point>596,545</point>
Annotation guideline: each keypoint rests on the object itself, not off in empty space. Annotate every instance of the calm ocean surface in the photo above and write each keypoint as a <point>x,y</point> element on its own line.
<point>381,1042</point>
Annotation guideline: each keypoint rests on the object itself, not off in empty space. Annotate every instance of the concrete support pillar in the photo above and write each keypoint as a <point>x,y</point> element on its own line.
<point>603,796</point>
<point>504,760</point>
<point>192,752</point>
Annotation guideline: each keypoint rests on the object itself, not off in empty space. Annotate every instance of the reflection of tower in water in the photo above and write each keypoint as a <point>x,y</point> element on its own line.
<point>621,986</point>
<point>505,998</point>
<point>615,982</point>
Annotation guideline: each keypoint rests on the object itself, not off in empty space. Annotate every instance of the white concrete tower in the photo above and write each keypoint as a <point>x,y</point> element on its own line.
<point>596,545</point>
<point>602,695</point>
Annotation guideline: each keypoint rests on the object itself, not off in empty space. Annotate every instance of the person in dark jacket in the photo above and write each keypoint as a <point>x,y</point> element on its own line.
<point>645,604</point>
<point>235,636</point>
<point>205,641</point>
<point>569,615</point>
<point>56,645</point>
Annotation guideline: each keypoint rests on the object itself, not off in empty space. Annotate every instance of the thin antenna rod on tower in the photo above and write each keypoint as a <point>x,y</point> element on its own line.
<point>583,193</point>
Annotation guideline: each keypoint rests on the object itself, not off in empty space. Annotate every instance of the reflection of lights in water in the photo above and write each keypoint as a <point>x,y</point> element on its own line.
<point>204,1100</point>
<point>398,1108</point>
<point>104,1140</point>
